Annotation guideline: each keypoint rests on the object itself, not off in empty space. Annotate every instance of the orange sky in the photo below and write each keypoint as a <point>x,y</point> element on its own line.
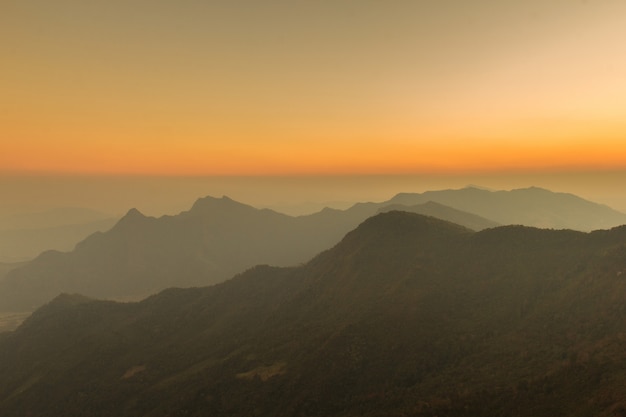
<point>323,87</point>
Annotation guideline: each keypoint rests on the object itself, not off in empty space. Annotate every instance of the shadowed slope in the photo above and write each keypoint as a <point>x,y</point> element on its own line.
<point>407,315</point>
<point>442,212</point>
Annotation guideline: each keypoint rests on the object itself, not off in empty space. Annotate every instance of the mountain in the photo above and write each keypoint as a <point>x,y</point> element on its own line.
<point>407,315</point>
<point>141,255</point>
<point>211,242</point>
<point>440,211</point>
<point>219,237</point>
<point>532,206</point>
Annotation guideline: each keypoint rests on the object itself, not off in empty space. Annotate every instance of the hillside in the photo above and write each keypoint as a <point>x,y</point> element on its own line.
<point>440,211</point>
<point>407,315</point>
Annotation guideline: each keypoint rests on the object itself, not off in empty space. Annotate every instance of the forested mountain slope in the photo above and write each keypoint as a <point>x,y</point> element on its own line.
<point>407,315</point>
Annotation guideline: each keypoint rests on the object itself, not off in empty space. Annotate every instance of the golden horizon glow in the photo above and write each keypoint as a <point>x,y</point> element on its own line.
<point>305,89</point>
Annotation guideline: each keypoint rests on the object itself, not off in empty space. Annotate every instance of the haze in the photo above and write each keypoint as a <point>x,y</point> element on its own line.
<point>141,141</point>
<point>296,195</point>
<point>300,105</point>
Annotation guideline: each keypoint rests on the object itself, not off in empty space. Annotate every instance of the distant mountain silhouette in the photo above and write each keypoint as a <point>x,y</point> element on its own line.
<point>141,255</point>
<point>440,211</point>
<point>219,237</point>
<point>532,206</point>
<point>407,315</point>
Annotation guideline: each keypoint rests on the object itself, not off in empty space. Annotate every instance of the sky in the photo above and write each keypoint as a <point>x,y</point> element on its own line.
<point>461,89</point>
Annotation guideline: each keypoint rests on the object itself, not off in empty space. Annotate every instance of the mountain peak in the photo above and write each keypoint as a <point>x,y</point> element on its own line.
<point>479,187</point>
<point>398,217</point>
<point>133,212</point>
<point>133,216</point>
<point>211,203</point>
<point>60,303</point>
<point>66,299</point>
<point>443,212</point>
<point>535,189</point>
<point>402,223</point>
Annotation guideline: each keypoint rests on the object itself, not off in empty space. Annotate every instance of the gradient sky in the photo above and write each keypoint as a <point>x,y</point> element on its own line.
<point>200,87</point>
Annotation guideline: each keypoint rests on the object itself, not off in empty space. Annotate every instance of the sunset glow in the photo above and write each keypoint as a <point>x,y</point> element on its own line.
<point>359,87</point>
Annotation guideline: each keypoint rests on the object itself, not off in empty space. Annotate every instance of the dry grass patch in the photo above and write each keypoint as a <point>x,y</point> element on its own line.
<point>134,371</point>
<point>264,372</point>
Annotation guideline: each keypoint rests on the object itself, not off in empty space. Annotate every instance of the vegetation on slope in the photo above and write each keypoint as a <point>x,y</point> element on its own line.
<point>406,316</point>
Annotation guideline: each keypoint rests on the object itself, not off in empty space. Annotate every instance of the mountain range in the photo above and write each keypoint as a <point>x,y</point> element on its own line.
<point>536,207</point>
<point>407,315</point>
<point>219,237</point>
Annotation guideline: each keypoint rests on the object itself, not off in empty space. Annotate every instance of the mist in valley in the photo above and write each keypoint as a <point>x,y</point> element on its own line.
<point>411,305</point>
<point>307,209</point>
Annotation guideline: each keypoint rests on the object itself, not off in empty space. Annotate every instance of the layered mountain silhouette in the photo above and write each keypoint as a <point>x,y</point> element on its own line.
<point>440,211</point>
<point>219,237</point>
<point>532,206</point>
<point>407,315</point>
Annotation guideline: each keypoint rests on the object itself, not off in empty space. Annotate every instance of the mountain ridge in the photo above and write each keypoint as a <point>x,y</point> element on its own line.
<point>219,237</point>
<point>407,314</point>
<point>532,206</point>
